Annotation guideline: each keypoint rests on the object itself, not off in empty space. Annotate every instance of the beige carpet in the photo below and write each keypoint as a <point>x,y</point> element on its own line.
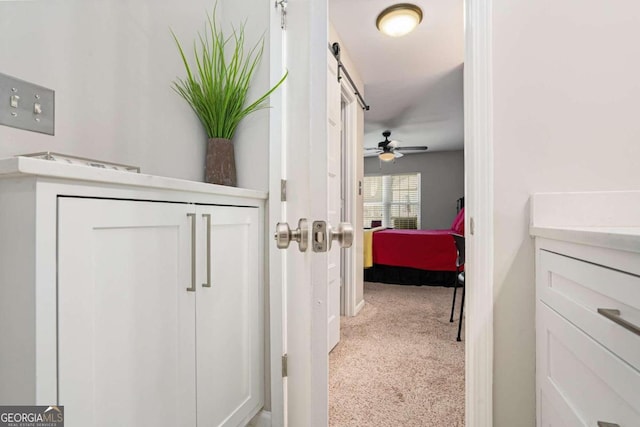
<point>398,362</point>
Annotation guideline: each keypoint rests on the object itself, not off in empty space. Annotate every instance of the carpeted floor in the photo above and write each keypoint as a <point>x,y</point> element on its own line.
<point>398,362</point>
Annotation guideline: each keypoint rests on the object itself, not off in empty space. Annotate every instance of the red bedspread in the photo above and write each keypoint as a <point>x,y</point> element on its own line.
<point>423,249</point>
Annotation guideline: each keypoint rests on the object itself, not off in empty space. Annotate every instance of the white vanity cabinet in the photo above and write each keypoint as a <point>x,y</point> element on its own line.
<point>587,309</point>
<point>131,300</point>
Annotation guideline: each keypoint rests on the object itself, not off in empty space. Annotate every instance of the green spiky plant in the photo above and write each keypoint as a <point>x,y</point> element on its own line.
<point>216,87</point>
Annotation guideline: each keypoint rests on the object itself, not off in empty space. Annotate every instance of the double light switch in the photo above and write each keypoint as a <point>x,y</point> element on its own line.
<point>27,106</point>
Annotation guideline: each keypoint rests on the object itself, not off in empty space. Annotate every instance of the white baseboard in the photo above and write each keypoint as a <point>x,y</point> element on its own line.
<point>359,307</point>
<point>262,419</point>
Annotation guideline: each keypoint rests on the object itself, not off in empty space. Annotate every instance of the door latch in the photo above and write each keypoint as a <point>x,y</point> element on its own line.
<point>319,236</point>
<point>323,235</point>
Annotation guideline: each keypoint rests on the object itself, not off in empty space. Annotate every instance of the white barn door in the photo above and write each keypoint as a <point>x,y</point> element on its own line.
<point>334,199</point>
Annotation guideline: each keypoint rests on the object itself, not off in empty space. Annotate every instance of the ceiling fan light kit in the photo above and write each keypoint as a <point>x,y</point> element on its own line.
<point>386,156</point>
<point>399,19</point>
<point>389,150</point>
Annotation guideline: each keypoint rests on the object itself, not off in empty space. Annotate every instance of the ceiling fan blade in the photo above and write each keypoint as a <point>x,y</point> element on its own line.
<point>372,148</point>
<point>393,144</point>
<point>415,148</point>
<point>371,153</point>
<point>397,154</point>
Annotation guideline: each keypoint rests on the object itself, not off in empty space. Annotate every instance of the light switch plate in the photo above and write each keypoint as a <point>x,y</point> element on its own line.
<point>20,102</point>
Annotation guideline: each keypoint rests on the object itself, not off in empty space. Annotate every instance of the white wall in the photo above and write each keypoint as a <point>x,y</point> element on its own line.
<point>566,92</point>
<point>441,183</point>
<point>111,64</point>
<point>251,141</point>
<point>359,164</point>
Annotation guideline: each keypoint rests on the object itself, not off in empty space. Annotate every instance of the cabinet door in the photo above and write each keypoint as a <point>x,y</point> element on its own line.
<point>126,322</point>
<point>229,325</point>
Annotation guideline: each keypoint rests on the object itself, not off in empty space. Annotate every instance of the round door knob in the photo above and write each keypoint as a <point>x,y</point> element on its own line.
<point>284,235</point>
<point>343,235</point>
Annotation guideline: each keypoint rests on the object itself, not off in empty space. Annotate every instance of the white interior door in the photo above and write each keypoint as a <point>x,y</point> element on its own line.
<point>299,155</point>
<point>334,199</point>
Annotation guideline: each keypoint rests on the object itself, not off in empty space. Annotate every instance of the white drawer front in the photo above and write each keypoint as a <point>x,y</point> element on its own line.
<point>576,289</point>
<point>582,381</point>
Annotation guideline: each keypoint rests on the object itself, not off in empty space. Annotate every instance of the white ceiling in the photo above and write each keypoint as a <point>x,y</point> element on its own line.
<point>413,83</point>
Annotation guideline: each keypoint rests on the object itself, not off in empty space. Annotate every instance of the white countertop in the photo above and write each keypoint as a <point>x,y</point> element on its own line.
<point>25,166</point>
<point>621,238</point>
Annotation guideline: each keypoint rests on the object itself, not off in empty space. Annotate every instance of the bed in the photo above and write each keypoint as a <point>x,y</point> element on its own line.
<point>414,257</point>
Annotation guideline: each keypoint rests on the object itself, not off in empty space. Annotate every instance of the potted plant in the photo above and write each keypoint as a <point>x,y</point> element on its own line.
<point>216,88</point>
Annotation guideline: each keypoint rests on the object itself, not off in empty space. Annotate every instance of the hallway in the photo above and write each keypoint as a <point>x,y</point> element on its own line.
<point>398,362</point>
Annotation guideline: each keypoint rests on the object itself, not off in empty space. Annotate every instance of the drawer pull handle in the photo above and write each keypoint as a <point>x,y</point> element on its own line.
<point>192,288</point>
<point>603,424</point>
<point>614,315</point>
<point>207,217</point>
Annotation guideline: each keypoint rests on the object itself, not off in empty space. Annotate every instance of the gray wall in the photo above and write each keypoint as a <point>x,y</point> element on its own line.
<point>442,182</point>
<point>111,64</point>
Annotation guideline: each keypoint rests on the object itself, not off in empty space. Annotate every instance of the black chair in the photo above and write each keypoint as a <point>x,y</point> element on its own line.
<point>459,241</point>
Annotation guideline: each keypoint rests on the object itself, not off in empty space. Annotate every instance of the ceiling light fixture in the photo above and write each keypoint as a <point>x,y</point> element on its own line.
<point>399,19</point>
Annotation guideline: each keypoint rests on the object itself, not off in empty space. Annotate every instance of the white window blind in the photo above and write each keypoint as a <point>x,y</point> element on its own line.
<point>392,199</point>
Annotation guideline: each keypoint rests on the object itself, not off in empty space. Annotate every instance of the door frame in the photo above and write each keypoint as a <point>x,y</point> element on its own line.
<point>276,345</point>
<point>478,154</point>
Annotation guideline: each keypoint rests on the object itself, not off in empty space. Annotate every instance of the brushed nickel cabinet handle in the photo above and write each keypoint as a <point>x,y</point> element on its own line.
<point>208,221</point>
<point>614,315</point>
<point>603,424</point>
<point>192,288</point>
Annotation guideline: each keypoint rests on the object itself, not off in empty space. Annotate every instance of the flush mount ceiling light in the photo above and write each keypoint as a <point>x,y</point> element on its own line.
<point>399,19</point>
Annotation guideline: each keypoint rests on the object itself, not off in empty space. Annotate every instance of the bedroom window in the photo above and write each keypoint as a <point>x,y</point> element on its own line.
<point>394,200</point>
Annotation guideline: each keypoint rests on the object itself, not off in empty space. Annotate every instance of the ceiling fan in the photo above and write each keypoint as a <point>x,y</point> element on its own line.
<point>389,150</point>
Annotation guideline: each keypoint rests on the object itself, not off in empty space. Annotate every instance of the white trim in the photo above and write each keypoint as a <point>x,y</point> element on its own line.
<point>262,419</point>
<point>478,81</point>
<point>351,198</point>
<point>359,307</point>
